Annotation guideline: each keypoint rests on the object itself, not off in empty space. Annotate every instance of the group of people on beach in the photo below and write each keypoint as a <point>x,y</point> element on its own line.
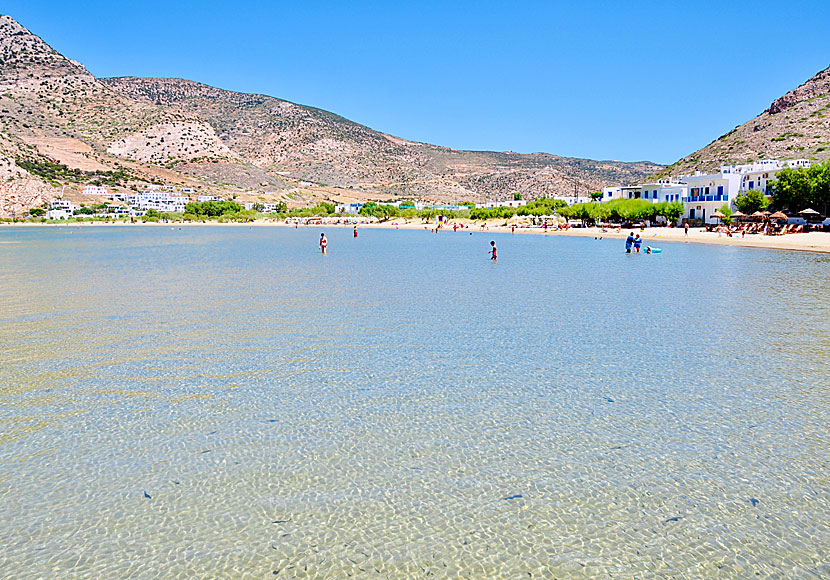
<point>634,242</point>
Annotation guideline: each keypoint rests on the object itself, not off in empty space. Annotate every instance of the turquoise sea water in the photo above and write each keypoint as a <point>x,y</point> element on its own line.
<point>225,402</point>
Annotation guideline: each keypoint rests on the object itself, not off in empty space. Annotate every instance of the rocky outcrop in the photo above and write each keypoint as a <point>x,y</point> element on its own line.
<point>796,125</point>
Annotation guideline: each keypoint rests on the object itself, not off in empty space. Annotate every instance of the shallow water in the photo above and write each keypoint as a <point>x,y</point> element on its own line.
<point>225,402</point>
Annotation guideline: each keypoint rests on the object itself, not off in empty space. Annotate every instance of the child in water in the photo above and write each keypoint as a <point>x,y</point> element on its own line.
<point>494,253</point>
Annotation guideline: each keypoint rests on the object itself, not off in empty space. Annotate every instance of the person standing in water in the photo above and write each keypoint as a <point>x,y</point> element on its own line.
<point>324,243</point>
<point>355,231</point>
<point>638,241</point>
<point>629,241</point>
<point>494,252</point>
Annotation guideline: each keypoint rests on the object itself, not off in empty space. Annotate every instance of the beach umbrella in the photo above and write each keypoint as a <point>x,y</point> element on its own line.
<point>779,215</point>
<point>717,214</point>
<point>758,214</point>
<point>738,214</point>
<point>809,211</point>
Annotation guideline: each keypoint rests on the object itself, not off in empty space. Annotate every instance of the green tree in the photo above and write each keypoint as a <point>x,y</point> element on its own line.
<point>37,212</point>
<point>726,211</point>
<point>381,211</point>
<point>517,196</point>
<point>596,196</point>
<point>672,210</point>
<point>751,201</point>
<point>324,208</point>
<point>803,187</point>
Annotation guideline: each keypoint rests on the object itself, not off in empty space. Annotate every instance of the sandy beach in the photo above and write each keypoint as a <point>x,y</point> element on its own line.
<point>654,237</point>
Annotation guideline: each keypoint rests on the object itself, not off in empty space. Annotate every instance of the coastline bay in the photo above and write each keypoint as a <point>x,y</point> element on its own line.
<point>228,402</point>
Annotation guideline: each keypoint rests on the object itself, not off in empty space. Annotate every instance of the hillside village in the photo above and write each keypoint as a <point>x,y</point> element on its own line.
<point>703,194</point>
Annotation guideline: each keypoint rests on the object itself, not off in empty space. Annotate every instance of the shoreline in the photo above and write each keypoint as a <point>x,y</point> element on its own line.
<point>802,242</point>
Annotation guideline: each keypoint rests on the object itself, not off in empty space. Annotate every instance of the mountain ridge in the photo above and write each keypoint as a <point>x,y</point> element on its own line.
<point>795,125</point>
<point>56,118</point>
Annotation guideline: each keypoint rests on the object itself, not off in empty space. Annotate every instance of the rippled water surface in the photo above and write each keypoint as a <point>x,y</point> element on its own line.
<point>225,402</point>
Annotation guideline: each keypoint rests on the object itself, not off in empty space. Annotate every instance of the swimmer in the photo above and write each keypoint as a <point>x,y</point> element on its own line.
<point>324,243</point>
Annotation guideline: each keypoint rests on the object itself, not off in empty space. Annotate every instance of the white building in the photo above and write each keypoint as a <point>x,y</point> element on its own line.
<point>350,208</point>
<point>655,192</point>
<point>158,200</point>
<point>574,199</point>
<point>58,214</point>
<point>63,204</point>
<point>117,210</point>
<point>756,176</point>
<point>506,203</point>
<point>203,198</point>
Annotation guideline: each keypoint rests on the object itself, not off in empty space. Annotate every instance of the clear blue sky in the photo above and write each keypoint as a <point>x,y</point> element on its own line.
<point>605,80</point>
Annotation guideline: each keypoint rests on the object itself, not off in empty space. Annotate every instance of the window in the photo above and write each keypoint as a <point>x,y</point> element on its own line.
<point>720,190</point>
<point>751,184</point>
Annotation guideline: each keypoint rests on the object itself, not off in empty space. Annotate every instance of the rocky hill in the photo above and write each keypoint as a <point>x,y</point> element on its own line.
<point>794,126</point>
<point>60,128</point>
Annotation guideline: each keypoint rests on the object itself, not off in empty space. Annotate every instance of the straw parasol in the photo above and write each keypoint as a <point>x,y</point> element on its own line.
<point>738,214</point>
<point>779,215</point>
<point>809,211</point>
<point>717,214</point>
<point>758,214</point>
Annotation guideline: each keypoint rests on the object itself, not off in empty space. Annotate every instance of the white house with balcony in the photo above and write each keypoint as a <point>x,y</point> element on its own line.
<point>707,193</point>
<point>757,176</point>
<point>655,192</point>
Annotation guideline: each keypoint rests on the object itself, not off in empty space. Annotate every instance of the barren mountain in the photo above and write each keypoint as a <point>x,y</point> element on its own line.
<point>315,145</point>
<point>794,126</point>
<point>61,128</point>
